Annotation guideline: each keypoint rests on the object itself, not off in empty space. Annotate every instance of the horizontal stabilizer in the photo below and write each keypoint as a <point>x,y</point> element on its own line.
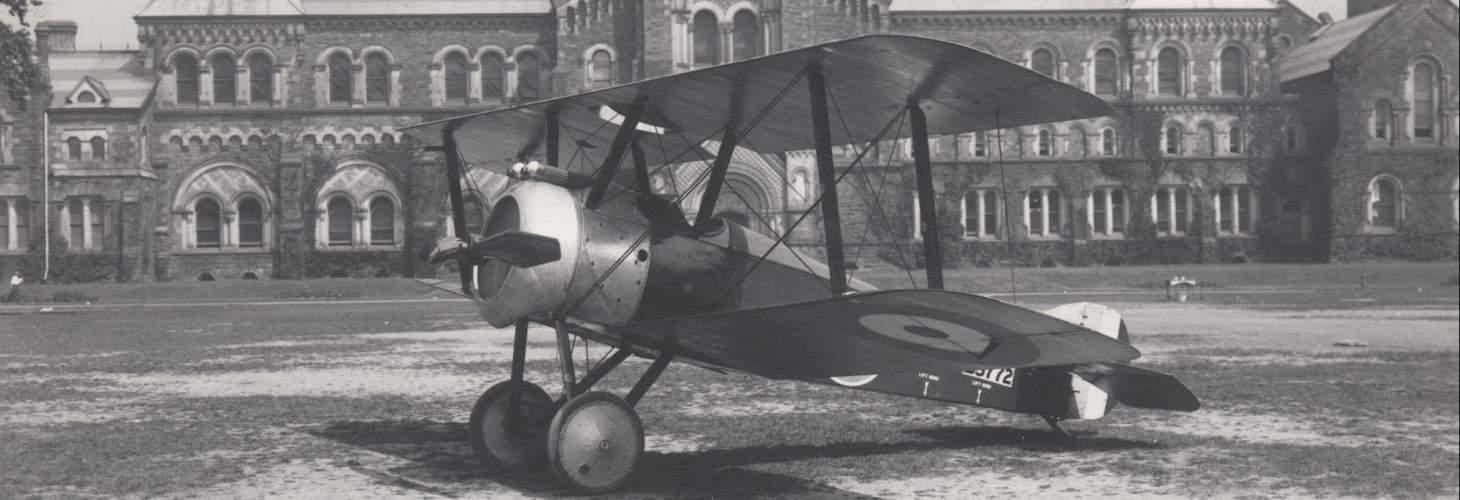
<point>1139,387</point>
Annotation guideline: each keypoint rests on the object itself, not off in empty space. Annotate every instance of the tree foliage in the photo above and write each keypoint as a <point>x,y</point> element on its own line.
<point>17,62</point>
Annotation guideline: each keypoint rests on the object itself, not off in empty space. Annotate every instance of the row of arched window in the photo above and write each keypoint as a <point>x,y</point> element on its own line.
<point>744,39</point>
<point>1170,70</point>
<point>1045,211</point>
<point>341,79</point>
<point>224,69</point>
<point>246,228</point>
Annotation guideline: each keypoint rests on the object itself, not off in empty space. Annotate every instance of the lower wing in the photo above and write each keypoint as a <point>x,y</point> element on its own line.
<point>878,332</point>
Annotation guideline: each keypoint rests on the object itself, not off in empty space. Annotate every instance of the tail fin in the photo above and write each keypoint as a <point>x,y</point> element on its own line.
<point>1090,401</point>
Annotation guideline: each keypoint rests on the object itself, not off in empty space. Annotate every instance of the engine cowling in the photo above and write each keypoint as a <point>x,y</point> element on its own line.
<point>588,282</point>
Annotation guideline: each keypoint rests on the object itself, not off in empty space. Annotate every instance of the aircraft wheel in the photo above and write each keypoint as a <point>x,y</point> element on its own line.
<point>510,442</point>
<point>595,442</point>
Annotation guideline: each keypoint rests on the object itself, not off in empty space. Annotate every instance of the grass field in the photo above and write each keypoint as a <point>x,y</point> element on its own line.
<point>250,391</point>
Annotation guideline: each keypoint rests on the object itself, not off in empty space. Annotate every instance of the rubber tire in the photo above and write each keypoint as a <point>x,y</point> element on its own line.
<point>568,441</point>
<point>523,450</point>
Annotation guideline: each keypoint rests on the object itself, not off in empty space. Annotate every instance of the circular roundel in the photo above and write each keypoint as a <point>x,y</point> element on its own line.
<point>927,332</point>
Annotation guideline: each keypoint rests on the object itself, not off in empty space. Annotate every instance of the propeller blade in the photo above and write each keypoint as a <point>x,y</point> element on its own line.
<point>521,249</point>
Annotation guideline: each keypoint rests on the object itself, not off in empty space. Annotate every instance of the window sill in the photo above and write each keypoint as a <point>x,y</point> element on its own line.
<point>222,251</point>
<point>1236,235</point>
<point>1045,237</point>
<point>968,237</point>
<point>1171,236</point>
<point>1111,237</point>
<point>1380,230</point>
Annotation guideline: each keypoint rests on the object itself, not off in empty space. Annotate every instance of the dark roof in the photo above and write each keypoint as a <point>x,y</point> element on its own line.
<point>1327,43</point>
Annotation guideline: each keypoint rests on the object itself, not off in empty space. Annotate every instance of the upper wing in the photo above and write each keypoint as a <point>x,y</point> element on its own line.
<point>870,80</point>
<point>878,332</point>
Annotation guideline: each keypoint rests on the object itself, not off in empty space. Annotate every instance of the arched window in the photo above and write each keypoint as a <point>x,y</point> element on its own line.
<point>209,224</point>
<point>1234,72</point>
<point>1107,73</point>
<point>250,223</point>
<point>1106,211</point>
<point>341,222</point>
<point>980,144</point>
<point>186,78</point>
<point>1169,70</point>
<point>601,72</point>
<point>1384,203</point>
<point>18,223</point>
<point>529,81</point>
<point>572,18</point>
<point>1042,61</point>
<point>1107,142</point>
<point>195,143</point>
<point>1046,143</point>
<point>1235,140</point>
<point>1234,210</point>
<point>1044,211</point>
<point>377,78</point>
<point>492,68</point>
<point>98,148</point>
<point>1079,143</point>
<point>875,15</point>
<point>706,38</point>
<point>1290,139</point>
<point>86,97</point>
<point>1283,42</point>
<point>747,36</point>
<point>1171,210</point>
<point>981,213</point>
<point>1171,140</point>
<point>342,78</point>
<point>260,78</point>
<point>456,73</point>
<point>73,148</point>
<point>1422,77</point>
<point>1383,119</point>
<point>225,78</point>
<point>382,221</point>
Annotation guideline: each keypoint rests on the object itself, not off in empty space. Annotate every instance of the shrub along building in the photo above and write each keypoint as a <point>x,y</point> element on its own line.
<point>262,138</point>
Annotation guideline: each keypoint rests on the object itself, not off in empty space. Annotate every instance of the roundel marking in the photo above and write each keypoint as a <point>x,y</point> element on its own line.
<point>924,331</point>
<point>854,380</point>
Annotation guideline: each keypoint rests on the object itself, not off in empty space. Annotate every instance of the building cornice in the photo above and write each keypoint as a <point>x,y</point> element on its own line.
<point>1007,19</point>
<point>1247,26</point>
<point>208,31</point>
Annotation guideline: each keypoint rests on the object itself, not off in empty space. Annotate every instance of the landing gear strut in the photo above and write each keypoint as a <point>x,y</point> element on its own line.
<point>591,440</point>
<point>1054,423</point>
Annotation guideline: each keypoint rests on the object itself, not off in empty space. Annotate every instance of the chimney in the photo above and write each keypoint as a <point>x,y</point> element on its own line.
<point>55,36</point>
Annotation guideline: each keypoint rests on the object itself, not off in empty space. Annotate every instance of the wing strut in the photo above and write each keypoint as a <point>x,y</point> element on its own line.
<point>927,199</point>
<point>458,212</point>
<point>826,175</point>
<point>717,179</point>
<point>621,140</point>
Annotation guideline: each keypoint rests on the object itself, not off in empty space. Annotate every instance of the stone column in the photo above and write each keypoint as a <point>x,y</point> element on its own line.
<point>86,223</point>
<point>10,229</point>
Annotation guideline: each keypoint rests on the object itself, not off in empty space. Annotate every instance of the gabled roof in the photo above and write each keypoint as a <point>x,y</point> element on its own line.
<point>215,8</point>
<point>1327,43</point>
<point>96,87</point>
<point>287,8</point>
<point>1075,5</point>
<point>115,75</point>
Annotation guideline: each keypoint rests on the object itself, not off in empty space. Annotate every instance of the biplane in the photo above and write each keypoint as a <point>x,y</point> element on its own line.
<point>578,240</point>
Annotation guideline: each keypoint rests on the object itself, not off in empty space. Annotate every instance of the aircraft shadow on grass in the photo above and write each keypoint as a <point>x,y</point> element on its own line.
<point>441,459</point>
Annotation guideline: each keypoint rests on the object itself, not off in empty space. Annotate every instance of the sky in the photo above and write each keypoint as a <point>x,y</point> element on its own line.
<point>108,23</point>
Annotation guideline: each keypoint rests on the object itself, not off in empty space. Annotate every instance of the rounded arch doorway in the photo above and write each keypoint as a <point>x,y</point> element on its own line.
<point>743,202</point>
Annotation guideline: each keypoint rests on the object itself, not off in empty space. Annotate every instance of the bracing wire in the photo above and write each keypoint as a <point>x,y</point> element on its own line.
<point>1004,199</point>
<point>876,198</point>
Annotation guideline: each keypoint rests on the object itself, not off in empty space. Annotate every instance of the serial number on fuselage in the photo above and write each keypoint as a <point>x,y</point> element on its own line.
<point>1000,376</point>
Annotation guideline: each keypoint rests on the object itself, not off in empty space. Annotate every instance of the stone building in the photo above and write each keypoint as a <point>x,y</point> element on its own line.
<point>261,138</point>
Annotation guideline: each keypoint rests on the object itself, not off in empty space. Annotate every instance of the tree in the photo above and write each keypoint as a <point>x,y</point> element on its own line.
<point>17,62</point>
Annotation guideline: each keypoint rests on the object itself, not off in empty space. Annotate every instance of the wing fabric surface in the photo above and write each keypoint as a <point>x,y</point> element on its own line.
<point>878,332</point>
<point>870,79</point>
